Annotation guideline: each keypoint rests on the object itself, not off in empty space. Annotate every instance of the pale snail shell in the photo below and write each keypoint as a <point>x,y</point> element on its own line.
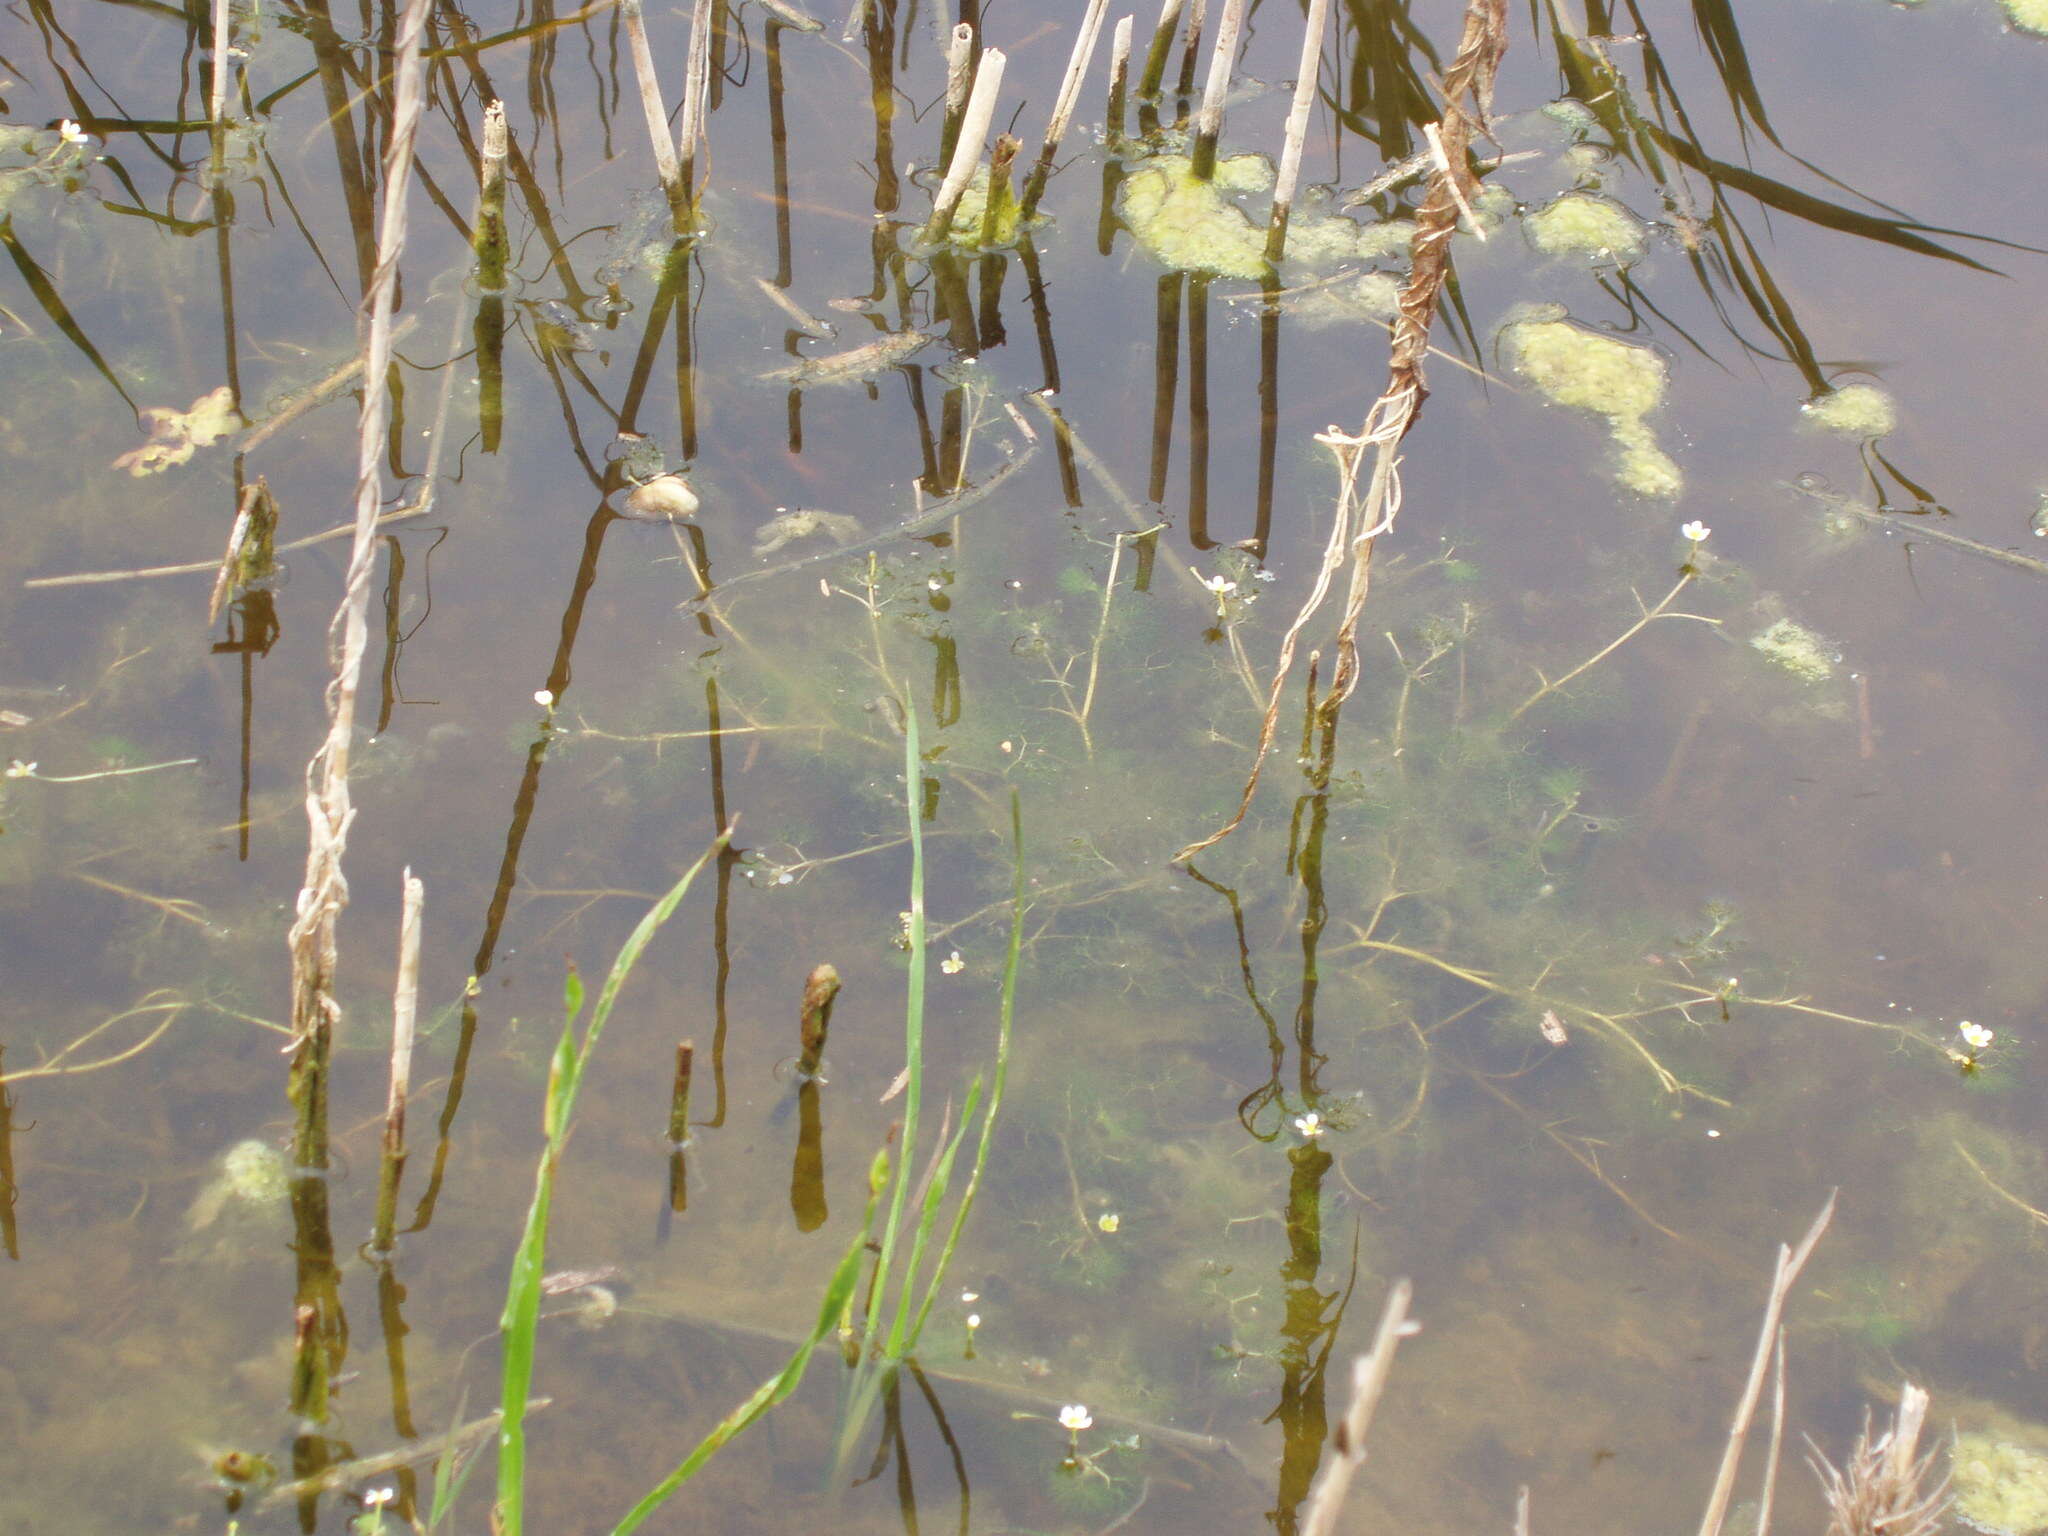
<point>662,499</point>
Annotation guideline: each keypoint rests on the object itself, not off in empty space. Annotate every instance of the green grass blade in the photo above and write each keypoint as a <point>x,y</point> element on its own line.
<point>904,1340</point>
<point>521,1317</point>
<point>785,1381</point>
<point>1002,1072</point>
<point>913,1033</point>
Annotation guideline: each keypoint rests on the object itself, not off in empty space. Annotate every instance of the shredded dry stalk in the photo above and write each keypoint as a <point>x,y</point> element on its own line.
<point>1881,1490</point>
<point>328,808</point>
<point>1469,80</point>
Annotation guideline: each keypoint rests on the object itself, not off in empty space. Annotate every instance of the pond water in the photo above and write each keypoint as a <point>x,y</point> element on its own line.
<point>1634,901</point>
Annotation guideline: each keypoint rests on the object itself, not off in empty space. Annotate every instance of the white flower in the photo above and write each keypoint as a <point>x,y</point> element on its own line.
<point>1975,1036</point>
<point>544,697</point>
<point>969,1298</point>
<point>376,1498</point>
<point>1109,1221</point>
<point>71,133</point>
<point>973,1321</point>
<point>1075,1417</point>
<point>953,965</point>
<point>1310,1125</point>
<point>1220,585</point>
<point>1696,530</point>
<point>20,770</point>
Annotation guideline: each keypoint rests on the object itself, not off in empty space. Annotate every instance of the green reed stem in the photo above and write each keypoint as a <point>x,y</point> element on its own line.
<point>522,1294</point>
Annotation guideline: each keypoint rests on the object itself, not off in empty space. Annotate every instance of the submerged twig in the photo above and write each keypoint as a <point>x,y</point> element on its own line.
<point>1368,1381</point>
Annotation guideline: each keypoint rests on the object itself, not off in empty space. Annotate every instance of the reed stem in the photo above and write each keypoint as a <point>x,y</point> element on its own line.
<point>404,1017</point>
<point>1209,120</point>
<point>1119,76</point>
<point>1063,105</point>
<point>1289,174</point>
<point>821,989</point>
<point>959,76</point>
<point>1197,14</point>
<point>690,130</point>
<point>974,125</point>
<point>651,101</point>
<point>1162,45</point>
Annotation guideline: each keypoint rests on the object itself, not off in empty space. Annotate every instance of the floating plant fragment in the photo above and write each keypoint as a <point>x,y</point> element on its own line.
<point>1796,649</point>
<point>1583,224</point>
<point>1190,225</point>
<point>253,1180</point>
<point>856,366</point>
<point>804,523</point>
<point>175,435</point>
<point>1591,372</point>
<point>2000,1488</point>
<point>1855,410</point>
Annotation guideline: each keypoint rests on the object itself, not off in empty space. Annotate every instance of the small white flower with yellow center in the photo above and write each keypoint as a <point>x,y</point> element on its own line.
<point>953,965</point>
<point>1975,1036</point>
<point>1220,588</point>
<point>1311,1125</point>
<point>71,133</point>
<point>1109,1221</point>
<point>544,697</point>
<point>1696,531</point>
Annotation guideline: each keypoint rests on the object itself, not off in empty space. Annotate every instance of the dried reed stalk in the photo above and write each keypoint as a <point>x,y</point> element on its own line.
<point>405,1001</point>
<point>217,100</point>
<point>1298,110</point>
<point>665,162</point>
<point>328,808</point>
<point>696,85</point>
<point>1368,1381</point>
<point>1468,89</point>
<point>959,76</point>
<point>1119,75</point>
<point>1198,13</point>
<point>974,124</point>
<point>1790,1262</point>
<point>1881,1489</point>
<point>1162,45</point>
<point>1063,105</point>
<point>1209,119</point>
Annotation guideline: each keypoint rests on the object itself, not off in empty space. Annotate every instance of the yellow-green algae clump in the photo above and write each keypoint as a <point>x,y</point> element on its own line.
<point>1999,1488</point>
<point>2027,15</point>
<point>1854,410</point>
<point>1582,224</point>
<point>1792,647</point>
<point>1191,225</point>
<point>1615,379</point>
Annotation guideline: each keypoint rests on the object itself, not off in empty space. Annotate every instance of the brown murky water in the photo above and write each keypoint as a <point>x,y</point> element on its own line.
<point>1753,866</point>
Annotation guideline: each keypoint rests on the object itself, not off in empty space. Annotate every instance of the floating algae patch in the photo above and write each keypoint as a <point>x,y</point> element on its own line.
<point>1999,1488</point>
<point>1792,647</point>
<point>1191,225</point>
<point>1582,224</point>
<point>1591,372</point>
<point>1855,410</point>
<point>2027,15</point>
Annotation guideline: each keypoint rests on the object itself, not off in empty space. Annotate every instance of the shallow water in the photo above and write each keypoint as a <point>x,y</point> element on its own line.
<point>1830,873</point>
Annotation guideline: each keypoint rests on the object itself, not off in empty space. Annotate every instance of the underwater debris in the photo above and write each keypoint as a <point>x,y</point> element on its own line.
<point>175,435</point>
<point>1584,224</point>
<point>1798,650</point>
<point>1591,372</point>
<point>253,1180</point>
<point>852,367</point>
<point>804,523</point>
<point>1855,410</point>
<point>2000,1488</point>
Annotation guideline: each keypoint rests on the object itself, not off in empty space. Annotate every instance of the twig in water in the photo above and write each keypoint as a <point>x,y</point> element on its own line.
<point>1790,1262</point>
<point>1368,1381</point>
<point>405,1000</point>
<point>1649,617</point>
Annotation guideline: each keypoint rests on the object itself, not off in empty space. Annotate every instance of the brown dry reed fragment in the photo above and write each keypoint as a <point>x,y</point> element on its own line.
<point>1882,1489</point>
<point>1468,90</point>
